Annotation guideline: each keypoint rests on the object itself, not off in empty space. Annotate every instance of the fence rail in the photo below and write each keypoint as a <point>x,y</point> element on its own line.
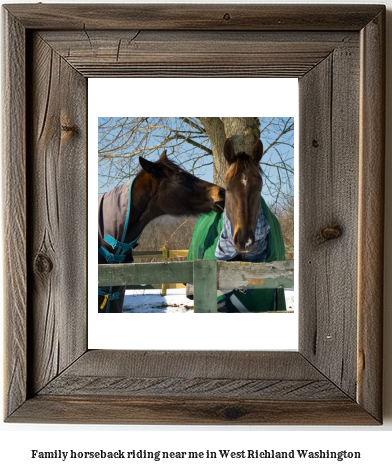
<point>207,276</point>
<point>159,253</point>
<point>164,254</point>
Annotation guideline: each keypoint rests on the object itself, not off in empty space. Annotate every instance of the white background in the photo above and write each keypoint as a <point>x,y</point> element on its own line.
<point>16,441</point>
<point>207,98</point>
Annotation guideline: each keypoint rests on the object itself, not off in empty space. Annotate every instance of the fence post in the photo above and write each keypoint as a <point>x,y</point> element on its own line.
<point>205,286</point>
<point>164,259</point>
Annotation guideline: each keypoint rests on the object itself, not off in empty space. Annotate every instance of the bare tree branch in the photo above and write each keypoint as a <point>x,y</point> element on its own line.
<point>196,142</point>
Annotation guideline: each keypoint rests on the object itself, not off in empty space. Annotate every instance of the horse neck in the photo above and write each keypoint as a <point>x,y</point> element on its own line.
<point>143,207</point>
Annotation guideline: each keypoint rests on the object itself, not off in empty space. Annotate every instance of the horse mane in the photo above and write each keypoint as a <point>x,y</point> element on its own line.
<point>170,164</point>
<point>163,166</point>
<point>172,169</point>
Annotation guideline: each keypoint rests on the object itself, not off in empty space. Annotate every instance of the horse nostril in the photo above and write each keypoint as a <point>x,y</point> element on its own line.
<point>244,241</point>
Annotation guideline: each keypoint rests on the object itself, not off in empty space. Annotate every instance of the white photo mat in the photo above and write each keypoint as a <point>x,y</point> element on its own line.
<point>185,97</point>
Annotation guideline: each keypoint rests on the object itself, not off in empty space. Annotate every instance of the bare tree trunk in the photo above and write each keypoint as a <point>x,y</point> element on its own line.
<point>243,131</point>
<point>216,133</point>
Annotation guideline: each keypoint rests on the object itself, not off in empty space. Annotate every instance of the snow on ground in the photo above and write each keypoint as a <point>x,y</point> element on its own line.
<point>289,295</point>
<point>151,301</point>
<point>175,301</point>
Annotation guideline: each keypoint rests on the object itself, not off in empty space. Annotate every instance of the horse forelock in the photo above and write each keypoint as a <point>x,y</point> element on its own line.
<point>243,163</point>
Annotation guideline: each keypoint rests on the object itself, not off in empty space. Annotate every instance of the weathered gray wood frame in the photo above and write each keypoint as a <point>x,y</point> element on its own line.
<point>338,54</point>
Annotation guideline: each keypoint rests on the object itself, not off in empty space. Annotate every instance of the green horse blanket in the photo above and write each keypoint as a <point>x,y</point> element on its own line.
<point>204,241</point>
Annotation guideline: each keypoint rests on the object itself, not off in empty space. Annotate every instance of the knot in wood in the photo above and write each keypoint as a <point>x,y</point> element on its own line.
<point>43,264</point>
<point>227,16</point>
<point>328,233</point>
<point>315,143</point>
<point>68,128</point>
<point>233,412</point>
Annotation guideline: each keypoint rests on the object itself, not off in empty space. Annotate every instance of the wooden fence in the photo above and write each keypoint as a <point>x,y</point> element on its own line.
<point>207,276</point>
<point>164,255</point>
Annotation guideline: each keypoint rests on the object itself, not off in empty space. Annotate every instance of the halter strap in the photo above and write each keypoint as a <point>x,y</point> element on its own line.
<point>107,298</point>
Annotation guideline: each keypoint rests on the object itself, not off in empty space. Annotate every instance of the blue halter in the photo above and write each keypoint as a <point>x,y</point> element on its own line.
<point>117,255</point>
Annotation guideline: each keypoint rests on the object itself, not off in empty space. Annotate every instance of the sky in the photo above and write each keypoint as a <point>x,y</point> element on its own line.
<point>125,143</point>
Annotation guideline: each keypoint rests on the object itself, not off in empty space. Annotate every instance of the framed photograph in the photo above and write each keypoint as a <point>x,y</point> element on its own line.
<point>337,53</point>
<point>118,141</point>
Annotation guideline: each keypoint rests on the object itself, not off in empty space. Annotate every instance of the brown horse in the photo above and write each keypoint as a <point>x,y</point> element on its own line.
<point>250,232</point>
<point>243,188</point>
<point>246,231</point>
<point>160,188</point>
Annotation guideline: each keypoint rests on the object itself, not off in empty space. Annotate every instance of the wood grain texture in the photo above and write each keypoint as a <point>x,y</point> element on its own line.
<point>158,387</point>
<point>57,215</point>
<point>127,53</point>
<point>229,274</point>
<point>247,275</point>
<point>187,387</point>
<point>371,216</point>
<point>205,286</point>
<point>329,198</point>
<point>108,410</point>
<point>144,273</point>
<point>207,364</point>
<point>193,17</point>
<point>14,213</point>
<point>207,374</point>
<point>323,384</point>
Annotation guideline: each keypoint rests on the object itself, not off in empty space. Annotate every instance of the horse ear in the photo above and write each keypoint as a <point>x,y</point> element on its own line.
<point>257,151</point>
<point>228,151</point>
<point>163,156</point>
<point>149,166</point>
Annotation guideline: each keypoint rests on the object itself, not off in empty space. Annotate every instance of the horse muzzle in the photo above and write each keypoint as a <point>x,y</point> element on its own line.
<point>218,206</point>
<point>218,197</point>
<point>243,241</point>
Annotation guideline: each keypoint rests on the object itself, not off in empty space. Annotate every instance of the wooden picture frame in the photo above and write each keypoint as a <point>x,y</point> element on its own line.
<point>338,54</point>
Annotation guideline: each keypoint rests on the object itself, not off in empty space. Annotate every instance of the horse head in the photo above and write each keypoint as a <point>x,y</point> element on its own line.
<point>243,188</point>
<point>177,192</point>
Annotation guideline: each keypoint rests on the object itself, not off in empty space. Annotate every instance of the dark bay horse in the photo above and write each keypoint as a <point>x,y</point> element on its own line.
<point>159,188</point>
<point>246,231</point>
